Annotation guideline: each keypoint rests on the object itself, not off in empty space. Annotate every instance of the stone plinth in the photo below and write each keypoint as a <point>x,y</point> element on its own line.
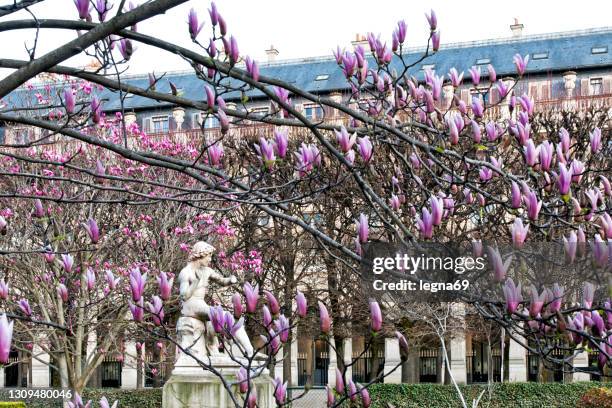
<point>198,388</point>
<point>517,362</point>
<point>192,386</point>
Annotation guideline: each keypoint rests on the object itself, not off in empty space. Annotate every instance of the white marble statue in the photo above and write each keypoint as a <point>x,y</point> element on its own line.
<point>194,328</point>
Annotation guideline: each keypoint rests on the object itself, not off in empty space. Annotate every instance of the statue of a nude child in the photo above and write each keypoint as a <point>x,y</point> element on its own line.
<point>193,286</point>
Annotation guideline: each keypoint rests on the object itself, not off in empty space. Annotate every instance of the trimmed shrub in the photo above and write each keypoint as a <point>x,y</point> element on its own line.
<point>596,398</point>
<point>12,405</point>
<point>506,395</point>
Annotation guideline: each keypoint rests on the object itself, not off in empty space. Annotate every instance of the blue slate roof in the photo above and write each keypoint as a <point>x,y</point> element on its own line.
<point>564,51</point>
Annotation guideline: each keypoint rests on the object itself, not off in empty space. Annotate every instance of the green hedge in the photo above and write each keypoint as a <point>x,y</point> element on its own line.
<point>506,395</point>
<point>140,398</point>
<point>12,405</point>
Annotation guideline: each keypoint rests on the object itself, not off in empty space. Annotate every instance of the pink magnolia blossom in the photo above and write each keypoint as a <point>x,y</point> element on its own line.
<point>92,230</point>
<point>513,295</point>
<point>4,290</point>
<point>500,267</point>
<point>193,24</point>
<point>252,296</point>
<point>519,233</point>
<point>156,308</point>
<point>324,320</point>
<point>302,305</point>
<point>376,316</point>
<point>363,229</point>
<point>165,286</point>
<point>6,338</point>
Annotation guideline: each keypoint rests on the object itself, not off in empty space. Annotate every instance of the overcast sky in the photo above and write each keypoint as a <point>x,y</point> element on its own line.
<point>313,27</point>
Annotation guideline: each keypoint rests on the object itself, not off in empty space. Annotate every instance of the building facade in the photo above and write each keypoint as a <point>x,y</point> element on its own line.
<point>566,71</point>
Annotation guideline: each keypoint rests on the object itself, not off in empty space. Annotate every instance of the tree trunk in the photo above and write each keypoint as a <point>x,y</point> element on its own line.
<point>288,294</point>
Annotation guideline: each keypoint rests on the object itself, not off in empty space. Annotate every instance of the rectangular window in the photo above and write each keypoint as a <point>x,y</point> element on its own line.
<point>160,124</point>
<point>321,77</point>
<point>539,55</point>
<point>22,135</point>
<point>260,111</point>
<point>211,122</point>
<point>313,111</point>
<point>599,50</point>
<point>596,86</point>
<point>483,61</point>
<point>481,93</point>
<point>425,67</point>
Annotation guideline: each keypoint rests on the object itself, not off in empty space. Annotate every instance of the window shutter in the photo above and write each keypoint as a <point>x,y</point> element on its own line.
<point>584,87</point>
<point>533,91</point>
<point>545,91</point>
<point>196,120</point>
<point>607,86</point>
<point>147,124</point>
<point>493,96</point>
<point>171,123</point>
<point>465,95</point>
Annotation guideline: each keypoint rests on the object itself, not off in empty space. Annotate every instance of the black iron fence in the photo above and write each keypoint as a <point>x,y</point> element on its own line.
<point>111,373</point>
<point>316,374</point>
<point>477,366</point>
<point>533,366</point>
<point>155,372</point>
<point>428,366</point>
<point>368,365</point>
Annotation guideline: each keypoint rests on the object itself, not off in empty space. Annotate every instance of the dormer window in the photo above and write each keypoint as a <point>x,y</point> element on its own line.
<point>322,77</point>
<point>599,50</point>
<point>483,61</point>
<point>539,55</point>
<point>426,67</point>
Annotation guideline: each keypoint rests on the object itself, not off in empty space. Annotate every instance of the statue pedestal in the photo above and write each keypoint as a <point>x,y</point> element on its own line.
<point>191,386</point>
<point>195,387</point>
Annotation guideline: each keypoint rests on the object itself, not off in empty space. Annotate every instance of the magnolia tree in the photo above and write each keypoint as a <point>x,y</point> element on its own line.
<point>403,160</point>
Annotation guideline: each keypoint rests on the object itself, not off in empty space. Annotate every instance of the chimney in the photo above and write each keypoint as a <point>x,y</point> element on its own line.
<point>360,39</point>
<point>517,28</point>
<point>272,53</point>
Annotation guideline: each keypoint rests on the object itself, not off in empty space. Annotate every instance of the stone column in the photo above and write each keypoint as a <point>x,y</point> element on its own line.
<point>40,367</point>
<point>348,357</point>
<point>91,349</point>
<point>331,369</point>
<point>457,348</point>
<point>129,369</point>
<point>517,362</point>
<point>392,359</point>
<point>581,360</point>
<point>2,377</point>
<point>129,118</point>
<point>457,358</point>
<point>294,358</point>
